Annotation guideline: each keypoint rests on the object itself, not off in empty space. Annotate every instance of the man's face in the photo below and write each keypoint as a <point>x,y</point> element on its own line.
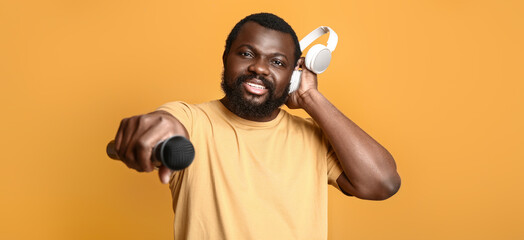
<point>257,70</point>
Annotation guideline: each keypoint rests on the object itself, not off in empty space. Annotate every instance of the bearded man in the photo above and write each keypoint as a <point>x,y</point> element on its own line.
<point>260,172</point>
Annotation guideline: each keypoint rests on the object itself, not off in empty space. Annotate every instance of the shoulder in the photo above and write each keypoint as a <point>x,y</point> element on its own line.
<point>174,106</point>
<point>300,123</point>
<point>177,106</point>
<point>188,114</point>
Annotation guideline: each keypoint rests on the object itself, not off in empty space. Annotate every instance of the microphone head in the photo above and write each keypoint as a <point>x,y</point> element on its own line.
<point>176,153</point>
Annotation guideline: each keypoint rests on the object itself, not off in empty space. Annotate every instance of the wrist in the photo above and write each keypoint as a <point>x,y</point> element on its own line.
<point>310,99</point>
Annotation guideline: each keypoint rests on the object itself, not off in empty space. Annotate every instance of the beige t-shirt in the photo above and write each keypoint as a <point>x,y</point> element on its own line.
<point>251,180</point>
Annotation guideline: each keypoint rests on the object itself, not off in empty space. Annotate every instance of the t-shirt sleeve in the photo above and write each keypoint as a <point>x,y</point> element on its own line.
<point>334,169</point>
<point>182,111</point>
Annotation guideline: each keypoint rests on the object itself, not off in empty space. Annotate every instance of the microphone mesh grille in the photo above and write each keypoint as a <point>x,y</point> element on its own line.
<point>178,153</point>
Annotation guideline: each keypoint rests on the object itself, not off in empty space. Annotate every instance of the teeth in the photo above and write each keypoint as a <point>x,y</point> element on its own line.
<point>256,86</point>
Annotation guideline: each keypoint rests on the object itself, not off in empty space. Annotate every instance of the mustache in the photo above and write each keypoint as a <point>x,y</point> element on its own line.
<point>242,78</point>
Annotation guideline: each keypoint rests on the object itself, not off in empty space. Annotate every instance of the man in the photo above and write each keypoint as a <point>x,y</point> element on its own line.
<point>259,172</point>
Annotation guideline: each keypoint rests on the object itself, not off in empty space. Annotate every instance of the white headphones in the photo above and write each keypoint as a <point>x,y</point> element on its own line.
<point>318,57</point>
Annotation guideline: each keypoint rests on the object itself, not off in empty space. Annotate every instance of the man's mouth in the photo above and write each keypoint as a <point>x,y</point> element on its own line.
<point>255,86</point>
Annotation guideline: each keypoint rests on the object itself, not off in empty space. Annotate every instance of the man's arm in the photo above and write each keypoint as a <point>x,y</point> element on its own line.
<point>369,169</point>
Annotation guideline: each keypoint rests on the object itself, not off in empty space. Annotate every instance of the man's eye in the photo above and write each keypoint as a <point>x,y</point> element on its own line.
<point>278,62</point>
<point>246,54</point>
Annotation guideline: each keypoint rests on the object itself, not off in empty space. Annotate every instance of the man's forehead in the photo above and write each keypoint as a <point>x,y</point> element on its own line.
<point>265,39</point>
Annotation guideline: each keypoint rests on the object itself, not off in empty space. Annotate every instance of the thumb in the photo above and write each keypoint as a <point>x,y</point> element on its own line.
<point>165,174</point>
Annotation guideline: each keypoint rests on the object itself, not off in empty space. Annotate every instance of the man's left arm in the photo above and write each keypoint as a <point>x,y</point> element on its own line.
<point>369,169</point>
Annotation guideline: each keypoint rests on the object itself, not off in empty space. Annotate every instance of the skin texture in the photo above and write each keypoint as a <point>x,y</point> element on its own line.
<point>369,169</point>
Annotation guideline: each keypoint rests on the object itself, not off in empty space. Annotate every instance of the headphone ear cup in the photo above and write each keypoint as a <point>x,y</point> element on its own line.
<point>295,81</point>
<point>318,58</point>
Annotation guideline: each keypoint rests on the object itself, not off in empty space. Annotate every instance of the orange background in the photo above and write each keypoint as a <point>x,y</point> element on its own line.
<point>439,83</point>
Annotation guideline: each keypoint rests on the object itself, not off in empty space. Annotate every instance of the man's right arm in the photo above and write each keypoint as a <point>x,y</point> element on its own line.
<point>138,135</point>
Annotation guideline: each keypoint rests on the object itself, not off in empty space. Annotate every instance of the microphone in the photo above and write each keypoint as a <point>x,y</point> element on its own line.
<point>176,152</point>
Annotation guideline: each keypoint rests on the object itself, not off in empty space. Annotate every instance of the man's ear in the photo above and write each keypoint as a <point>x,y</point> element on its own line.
<point>299,63</point>
<point>224,56</point>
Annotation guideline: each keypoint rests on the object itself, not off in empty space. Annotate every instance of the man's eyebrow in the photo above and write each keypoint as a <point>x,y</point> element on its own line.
<point>279,54</point>
<point>253,49</point>
<point>246,45</point>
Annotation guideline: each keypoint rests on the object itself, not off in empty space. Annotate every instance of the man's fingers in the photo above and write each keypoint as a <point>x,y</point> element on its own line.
<point>145,154</point>
<point>165,174</point>
<point>119,133</point>
<point>122,142</point>
<point>124,150</point>
<point>134,144</point>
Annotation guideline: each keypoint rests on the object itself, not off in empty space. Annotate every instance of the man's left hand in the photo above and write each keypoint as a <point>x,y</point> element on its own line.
<point>308,82</point>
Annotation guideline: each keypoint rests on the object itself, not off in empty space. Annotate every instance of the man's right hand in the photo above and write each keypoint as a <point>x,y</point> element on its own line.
<point>138,135</point>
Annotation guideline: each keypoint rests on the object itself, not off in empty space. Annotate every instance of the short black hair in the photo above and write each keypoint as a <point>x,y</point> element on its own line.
<point>267,20</point>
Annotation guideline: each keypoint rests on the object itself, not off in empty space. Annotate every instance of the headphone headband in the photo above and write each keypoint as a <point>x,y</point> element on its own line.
<point>312,36</point>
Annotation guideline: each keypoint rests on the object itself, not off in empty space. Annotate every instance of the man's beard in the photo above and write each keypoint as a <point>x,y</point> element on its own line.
<point>246,108</point>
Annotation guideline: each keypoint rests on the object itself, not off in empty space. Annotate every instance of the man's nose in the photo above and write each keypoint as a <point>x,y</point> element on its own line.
<point>260,67</point>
